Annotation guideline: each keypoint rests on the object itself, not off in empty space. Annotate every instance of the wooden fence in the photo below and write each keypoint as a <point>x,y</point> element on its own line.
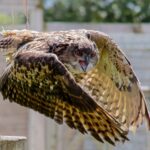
<point>44,134</point>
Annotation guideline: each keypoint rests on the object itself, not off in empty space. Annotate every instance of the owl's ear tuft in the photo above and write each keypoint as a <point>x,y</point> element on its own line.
<point>88,35</point>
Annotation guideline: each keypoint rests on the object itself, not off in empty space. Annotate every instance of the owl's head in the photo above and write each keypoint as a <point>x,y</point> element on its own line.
<point>80,57</point>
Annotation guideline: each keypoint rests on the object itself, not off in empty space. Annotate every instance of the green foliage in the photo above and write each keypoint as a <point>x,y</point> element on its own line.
<point>99,11</point>
<point>5,19</point>
<point>12,19</point>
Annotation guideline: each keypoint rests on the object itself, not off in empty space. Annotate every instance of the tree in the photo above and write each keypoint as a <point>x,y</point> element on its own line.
<point>99,11</point>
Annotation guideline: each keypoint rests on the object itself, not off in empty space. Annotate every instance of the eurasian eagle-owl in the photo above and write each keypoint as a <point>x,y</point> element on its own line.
<point>80,77</point>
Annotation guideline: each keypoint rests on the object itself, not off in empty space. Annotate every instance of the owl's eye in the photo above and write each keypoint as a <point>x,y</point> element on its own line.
<point>79,53</point>
<point>93,54</point>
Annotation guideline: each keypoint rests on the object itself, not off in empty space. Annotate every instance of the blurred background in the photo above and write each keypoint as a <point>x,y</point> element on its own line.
<point>126,21</point>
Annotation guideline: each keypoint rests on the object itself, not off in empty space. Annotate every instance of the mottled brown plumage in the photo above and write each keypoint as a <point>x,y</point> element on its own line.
<point>79,77</point>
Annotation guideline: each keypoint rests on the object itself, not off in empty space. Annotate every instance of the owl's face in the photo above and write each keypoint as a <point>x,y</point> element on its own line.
<point>80,59</point>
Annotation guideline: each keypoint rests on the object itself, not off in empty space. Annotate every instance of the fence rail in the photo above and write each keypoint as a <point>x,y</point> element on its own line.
<point>12,143</point>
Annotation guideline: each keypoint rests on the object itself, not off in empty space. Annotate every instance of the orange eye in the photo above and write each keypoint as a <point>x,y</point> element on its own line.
<point>79,53</point>
<point>93,54</point>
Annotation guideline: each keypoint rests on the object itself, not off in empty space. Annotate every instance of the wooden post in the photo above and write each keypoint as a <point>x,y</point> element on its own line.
<point>50,135</point>
<point>146,90</point>
<point>12,143</point>
<point>36,125</point>
<point>36,131</point>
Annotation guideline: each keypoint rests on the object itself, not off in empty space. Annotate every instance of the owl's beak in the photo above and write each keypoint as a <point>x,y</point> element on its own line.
<point>84,63</point>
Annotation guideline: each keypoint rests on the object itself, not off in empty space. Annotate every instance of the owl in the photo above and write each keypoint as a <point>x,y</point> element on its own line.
<point>80,77</point>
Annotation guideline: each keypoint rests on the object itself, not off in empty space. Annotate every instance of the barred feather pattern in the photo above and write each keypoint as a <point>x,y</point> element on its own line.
<point>45,97</point>
<point>114,85</point>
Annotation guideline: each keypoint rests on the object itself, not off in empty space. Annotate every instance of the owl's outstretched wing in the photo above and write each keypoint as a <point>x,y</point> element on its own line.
<point>40,81</point>
<point>113,84</point>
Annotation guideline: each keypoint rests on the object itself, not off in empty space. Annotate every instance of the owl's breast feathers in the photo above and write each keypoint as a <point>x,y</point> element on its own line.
<point>104,102</point>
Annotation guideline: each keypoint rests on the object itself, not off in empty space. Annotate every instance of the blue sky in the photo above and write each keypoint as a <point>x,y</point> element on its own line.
<point>48,3</point>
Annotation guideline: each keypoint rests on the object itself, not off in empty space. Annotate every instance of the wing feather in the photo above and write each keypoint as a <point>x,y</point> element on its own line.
<point>40,81</point>
<point>114,85</point>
